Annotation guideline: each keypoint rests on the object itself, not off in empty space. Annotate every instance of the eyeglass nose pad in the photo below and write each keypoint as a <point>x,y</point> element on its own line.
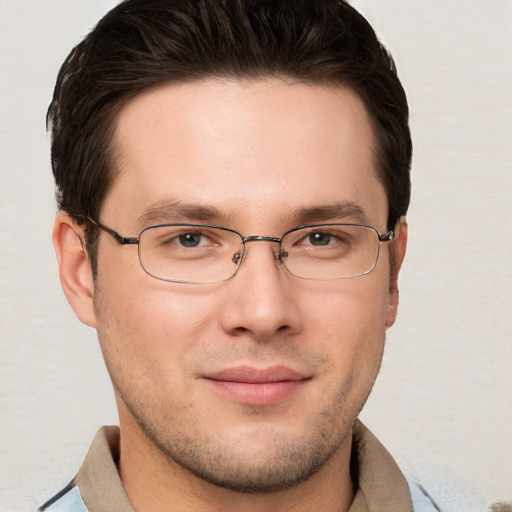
<point>237,257</point>
<point>281,255</point>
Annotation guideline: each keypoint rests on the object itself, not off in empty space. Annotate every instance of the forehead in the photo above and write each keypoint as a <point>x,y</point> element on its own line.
<point>254,148</point>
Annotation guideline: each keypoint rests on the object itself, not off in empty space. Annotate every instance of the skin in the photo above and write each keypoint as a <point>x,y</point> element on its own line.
<point>255,152</point>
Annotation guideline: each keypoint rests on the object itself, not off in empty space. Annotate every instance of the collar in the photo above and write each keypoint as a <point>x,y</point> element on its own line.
<point>380,483</point>
<point>382,486</point>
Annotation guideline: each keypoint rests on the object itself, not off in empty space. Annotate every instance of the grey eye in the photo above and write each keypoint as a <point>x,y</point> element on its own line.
<point>319,239</point>
<point>190,239</point>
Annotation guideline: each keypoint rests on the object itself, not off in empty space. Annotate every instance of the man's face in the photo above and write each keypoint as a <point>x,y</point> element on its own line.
<point>253,383</point>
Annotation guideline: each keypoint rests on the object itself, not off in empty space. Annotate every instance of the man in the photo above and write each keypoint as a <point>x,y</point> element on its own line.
<point>232,182</point>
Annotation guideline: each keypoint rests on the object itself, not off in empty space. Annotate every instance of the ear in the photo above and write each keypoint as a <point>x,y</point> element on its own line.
<point>398,247</point>
<point>74,267</point>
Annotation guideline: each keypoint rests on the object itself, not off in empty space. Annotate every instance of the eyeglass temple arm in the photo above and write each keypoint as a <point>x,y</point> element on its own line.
<point>387,237</point>
<point>120,239</point>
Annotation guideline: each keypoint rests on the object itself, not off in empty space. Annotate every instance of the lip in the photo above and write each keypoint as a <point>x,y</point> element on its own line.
<point>254,386</point>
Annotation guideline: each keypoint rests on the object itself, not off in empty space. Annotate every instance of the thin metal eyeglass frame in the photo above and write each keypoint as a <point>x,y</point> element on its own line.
<point>239,257</point>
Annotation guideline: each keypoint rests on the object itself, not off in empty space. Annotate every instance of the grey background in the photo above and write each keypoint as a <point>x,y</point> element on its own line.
<point>442,402</point>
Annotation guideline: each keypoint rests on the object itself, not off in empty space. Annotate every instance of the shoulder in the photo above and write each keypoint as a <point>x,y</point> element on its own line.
<point>421,500</point>
<point>67,500</point>
<point>444,495</point>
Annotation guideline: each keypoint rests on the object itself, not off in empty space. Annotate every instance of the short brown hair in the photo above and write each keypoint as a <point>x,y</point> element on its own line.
<point>143,43</point>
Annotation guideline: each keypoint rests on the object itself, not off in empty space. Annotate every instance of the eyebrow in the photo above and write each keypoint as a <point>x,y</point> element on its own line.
<point>341,211</point>
<point>170,210</point>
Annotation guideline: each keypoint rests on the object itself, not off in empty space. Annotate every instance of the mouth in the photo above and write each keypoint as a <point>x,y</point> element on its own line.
<point>257,387</point>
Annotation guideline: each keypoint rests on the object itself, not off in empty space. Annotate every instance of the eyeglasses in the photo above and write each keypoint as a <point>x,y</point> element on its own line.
<point>201,254</point>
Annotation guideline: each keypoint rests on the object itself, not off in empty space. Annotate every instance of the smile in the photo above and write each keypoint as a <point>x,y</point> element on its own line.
<point>258,387</point>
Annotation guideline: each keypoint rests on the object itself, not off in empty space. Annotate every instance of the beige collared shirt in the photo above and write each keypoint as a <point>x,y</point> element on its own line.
<point>98,487</point>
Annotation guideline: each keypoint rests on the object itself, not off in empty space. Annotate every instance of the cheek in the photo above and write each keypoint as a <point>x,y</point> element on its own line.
<point>147,327</point>
<point>350,322</point>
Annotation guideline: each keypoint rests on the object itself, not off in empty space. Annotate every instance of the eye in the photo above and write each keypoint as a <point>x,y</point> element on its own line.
<point>319,239</point>
<point>178,238</point>
<point>327,239</point>
<point>193,239</point>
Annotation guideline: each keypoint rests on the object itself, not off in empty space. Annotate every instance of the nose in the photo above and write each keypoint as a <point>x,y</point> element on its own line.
<point>260,300</point>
